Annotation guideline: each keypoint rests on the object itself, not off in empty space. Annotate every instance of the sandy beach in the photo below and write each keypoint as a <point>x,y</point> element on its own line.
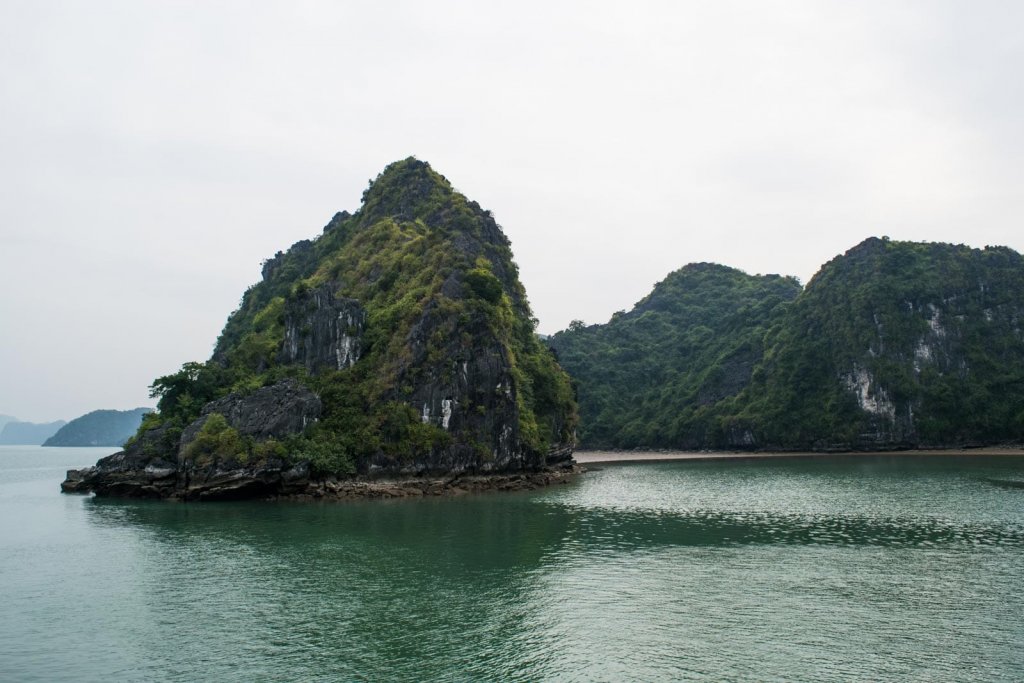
<point>593,457</point>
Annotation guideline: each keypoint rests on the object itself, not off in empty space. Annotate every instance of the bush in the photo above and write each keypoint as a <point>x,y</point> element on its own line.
<point>217,440</point>
<point>484,284</point>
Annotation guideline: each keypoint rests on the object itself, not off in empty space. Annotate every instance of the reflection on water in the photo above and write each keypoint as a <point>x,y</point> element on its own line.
<point>635,530</point>
<point>353,587</point>
<point>837,569</point>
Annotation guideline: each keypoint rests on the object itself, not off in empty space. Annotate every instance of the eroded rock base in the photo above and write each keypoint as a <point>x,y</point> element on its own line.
<point>290,484</point>
<point>411,488</point>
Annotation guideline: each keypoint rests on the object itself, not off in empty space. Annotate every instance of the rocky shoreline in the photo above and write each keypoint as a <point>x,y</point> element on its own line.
<point>423,487</point>
<point>119,476</point>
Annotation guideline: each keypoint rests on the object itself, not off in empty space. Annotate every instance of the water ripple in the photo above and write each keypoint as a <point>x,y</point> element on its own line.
<point>779,572</point>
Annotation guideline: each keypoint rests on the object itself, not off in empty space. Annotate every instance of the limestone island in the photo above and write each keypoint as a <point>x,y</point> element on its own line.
<point>99,428</point>
<point>393,355</point>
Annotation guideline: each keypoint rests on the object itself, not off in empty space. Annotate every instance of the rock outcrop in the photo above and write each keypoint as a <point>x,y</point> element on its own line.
<point>269,412</point>
<point>397,344</point>
<point>898,345</point>
<point>322,330</point>
<point>123,476</point>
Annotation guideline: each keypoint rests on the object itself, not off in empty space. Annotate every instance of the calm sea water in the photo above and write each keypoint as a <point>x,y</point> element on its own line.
<point>890,568</point>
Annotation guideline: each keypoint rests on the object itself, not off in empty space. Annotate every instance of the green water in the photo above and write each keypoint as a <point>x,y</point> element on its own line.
<point>900,568</point>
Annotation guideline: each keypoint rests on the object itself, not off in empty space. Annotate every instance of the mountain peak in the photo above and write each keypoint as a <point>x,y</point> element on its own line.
<point>406,189</point>
<point>398,341</point>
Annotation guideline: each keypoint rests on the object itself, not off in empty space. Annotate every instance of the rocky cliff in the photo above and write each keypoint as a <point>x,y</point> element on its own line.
<point>398,343</point>
<point>897,344</point>
<point>890,345</point>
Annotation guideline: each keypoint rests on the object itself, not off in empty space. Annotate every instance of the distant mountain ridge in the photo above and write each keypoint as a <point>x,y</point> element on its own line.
<point>28,433</point>
<point>99,428</point>
<point>890,345</point>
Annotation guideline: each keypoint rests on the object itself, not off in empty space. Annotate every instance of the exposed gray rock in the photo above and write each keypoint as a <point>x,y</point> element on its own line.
<point>461,354</point>
<point>155,441</point>
<point>126,474</point>
<point>232,481</point>
<point>740,437</point>
<point>467,391</point>
<point>149,467</point>
<point>276,411</point>
<point>120,476</point>
<point>322,331</point>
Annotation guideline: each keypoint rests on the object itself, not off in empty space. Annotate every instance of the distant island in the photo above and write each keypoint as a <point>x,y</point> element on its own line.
<point>99,428</point>
<point>397,346</point>
<point>15,433</point>
<point>892,345</point>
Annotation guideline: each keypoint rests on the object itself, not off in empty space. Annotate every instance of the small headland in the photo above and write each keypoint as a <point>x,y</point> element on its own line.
<point>278,481</point>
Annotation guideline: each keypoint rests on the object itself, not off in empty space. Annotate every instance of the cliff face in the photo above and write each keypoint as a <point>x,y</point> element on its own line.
<point>400,341</point>
<point>898,344</point>
<point>322,331</point>
<point>891,345</point>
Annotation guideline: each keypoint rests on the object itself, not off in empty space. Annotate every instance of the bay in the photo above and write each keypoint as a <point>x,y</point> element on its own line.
<point>831,568</point>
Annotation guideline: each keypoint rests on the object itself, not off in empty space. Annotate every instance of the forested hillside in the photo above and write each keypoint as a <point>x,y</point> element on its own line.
<point>890,345</point>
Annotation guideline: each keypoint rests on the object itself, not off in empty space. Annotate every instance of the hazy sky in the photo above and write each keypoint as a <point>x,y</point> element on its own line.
<point>153,153</point>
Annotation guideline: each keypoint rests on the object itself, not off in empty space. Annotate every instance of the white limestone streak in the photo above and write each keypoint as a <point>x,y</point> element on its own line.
<point>935,323</point>
<point>446,412</point>
<point>871,399</point>
<point>346,349</point>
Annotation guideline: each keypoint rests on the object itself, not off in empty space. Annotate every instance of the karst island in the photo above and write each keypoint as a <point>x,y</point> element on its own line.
<point>394,354</point>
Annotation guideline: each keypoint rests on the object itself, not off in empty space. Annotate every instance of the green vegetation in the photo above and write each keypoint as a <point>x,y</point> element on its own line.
<point>484,285</point>
<point>217,440</point>
<point>435,276</point>
<point>893,344</point>
<point>930,334</point>
<point>659,375</point>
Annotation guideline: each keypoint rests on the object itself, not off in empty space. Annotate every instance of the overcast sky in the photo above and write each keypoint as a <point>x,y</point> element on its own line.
<point>153,153</point>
